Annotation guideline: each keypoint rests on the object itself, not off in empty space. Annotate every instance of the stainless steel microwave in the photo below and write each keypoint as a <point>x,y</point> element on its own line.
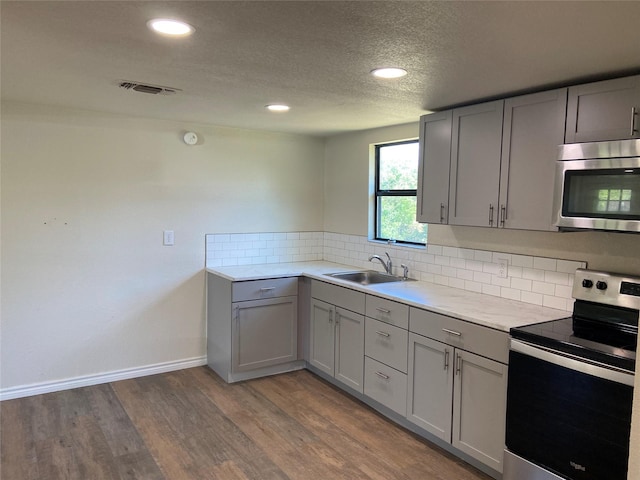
<point>597,186</point>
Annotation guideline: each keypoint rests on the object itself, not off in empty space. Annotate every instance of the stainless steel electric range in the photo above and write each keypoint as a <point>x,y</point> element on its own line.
<point>570,386</point>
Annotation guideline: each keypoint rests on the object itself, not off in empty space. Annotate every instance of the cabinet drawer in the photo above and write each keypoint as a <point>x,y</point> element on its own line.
<point>458,333</point>
<point>386,343</point>
<point>269,288</point>
<point>338,296</point>
<point>385,385</point>
<point>388,311</point>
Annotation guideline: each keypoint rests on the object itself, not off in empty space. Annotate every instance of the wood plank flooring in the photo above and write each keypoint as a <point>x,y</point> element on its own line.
<point>189,424</point>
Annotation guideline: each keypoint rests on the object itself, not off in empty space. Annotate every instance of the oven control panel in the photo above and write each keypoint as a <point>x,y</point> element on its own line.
<point>609,288</point>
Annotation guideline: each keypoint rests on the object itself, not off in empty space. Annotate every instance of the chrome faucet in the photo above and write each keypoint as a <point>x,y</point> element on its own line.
<point>388,266</point>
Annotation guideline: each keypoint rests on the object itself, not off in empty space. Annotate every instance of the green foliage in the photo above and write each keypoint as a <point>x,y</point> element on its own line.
<point>398,170</point>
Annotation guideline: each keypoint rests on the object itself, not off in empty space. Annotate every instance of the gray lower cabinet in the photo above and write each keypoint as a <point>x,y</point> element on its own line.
<point>264,333</point>
<point>252,326</point>
<point>607,110</point>
<point>455,394</point>
<point>336,333</point>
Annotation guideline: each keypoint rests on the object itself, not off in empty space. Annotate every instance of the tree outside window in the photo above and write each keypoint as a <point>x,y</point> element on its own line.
<point>396,189</point>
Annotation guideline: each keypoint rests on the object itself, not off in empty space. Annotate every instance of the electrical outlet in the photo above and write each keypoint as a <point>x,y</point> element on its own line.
<point>167,237</point>
<point>503,268</point>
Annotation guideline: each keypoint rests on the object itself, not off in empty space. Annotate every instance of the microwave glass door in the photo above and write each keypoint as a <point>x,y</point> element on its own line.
<point>606,193</point>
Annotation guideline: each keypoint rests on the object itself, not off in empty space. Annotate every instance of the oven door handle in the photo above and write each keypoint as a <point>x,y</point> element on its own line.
<point>573,362</point>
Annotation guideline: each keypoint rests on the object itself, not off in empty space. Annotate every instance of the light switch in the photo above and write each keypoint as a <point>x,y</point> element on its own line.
<point>168,238</point>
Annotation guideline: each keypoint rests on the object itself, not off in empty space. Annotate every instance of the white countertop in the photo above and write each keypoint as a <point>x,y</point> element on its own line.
<point>493,312</point>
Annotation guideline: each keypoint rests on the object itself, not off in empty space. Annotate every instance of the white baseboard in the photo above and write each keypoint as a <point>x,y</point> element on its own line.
<point>88,380</point>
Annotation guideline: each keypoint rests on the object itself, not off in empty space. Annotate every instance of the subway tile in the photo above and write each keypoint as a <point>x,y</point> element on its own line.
<point>441,260</point>
<point>440,280</point>
<point>533,274</point>
<point>556,278</point>
<point>501,282</point>
<point>482,277</point>
<point>473,286</point>
<point>531,297</point>
<point>542,263</point>
<point>515,272</point>
<point>474,265</point>
<point>434,249</point>
<point>521,284</point>
<point>493,290</point>
<point>491,268</point>
<point>450,251</point>
<point>466,253</point>
<point>510,293</point>
<point>568,266</point>
<point>449,272</point>
<point>543,288</point>
<point>456,283</point>
<point>497,256</point>
<point>464,274</point>
<point>524,261</point>
<point>483,256</point>
<point>564,291</point>
<point>554,302</point>
<point>458,262</point>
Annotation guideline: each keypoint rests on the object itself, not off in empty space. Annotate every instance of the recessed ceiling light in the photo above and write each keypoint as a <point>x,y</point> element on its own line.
<point>174,28</point>
<point>277,107</point>
<point>392,72</point>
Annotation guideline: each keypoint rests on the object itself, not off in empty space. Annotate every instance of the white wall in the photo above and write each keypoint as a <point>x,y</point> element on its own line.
<point>87,286</point>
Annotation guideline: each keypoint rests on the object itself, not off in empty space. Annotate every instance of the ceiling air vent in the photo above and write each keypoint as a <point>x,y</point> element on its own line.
<point>146,88</point>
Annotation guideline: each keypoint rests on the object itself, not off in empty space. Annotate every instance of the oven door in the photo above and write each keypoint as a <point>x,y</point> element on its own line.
<point>566,418</point>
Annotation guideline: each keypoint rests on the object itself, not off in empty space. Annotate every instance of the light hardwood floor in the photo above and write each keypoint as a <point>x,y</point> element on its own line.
<point>189,424</point>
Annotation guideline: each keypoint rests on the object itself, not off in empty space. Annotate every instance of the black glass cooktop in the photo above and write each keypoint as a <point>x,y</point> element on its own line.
<point>616,350</point>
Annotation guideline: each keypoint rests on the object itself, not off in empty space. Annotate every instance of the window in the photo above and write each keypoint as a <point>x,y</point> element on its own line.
<point>614,200</point>
<point>396,183</point>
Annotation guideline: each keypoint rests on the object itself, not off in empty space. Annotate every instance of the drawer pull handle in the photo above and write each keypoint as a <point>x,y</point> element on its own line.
<point>383,310</point>
<point>383,334</point>
<point>634,114</point>
<point>267,289</point>
<point>452,332</point>
<point>382,375</point>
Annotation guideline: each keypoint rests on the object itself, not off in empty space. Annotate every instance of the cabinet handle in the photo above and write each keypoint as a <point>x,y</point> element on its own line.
<point>337,317</point>
<point>442,213</point>
<point>237,312</point>
<point>634,114</point>
<point>266,290</point>
<point>490,215</point>
<point>446,358</point>
<point>383,310</point>
<point>383,334</point>
<point>382,375</point>
<point>458,364</point>
<point>452,332</point>
<point>503,214</point>
<point>330,316</point>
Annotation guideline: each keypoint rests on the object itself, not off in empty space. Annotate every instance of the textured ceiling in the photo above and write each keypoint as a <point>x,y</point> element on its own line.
<point>313,55</point>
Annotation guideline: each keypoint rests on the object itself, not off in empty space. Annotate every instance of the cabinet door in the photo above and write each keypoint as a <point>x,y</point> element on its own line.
<point>604,110</point>
<point>349,348</point>
<point>430,385</point>
<point>264,333</point>
<point>533,129</point>
<point>433,167</point>
<point>475,164</point>
<point>479,409</point>
<point>322,336</point>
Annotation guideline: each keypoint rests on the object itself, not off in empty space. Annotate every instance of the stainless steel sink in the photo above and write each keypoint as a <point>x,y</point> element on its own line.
<point>366,277</point>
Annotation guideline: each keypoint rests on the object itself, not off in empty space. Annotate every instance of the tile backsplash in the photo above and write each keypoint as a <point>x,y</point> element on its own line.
<point>536,280</point>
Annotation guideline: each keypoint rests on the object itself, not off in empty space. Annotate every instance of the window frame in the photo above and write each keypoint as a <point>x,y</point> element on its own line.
<point>379,193</point>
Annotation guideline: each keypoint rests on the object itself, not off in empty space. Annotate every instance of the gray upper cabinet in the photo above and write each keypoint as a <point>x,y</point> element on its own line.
<point>475,164</point>
<point>435,161</point>
<point>533,129</point>
<point>606,110</point>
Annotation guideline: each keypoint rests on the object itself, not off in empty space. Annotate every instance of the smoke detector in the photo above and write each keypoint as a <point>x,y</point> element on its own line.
<point>148,88</point>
